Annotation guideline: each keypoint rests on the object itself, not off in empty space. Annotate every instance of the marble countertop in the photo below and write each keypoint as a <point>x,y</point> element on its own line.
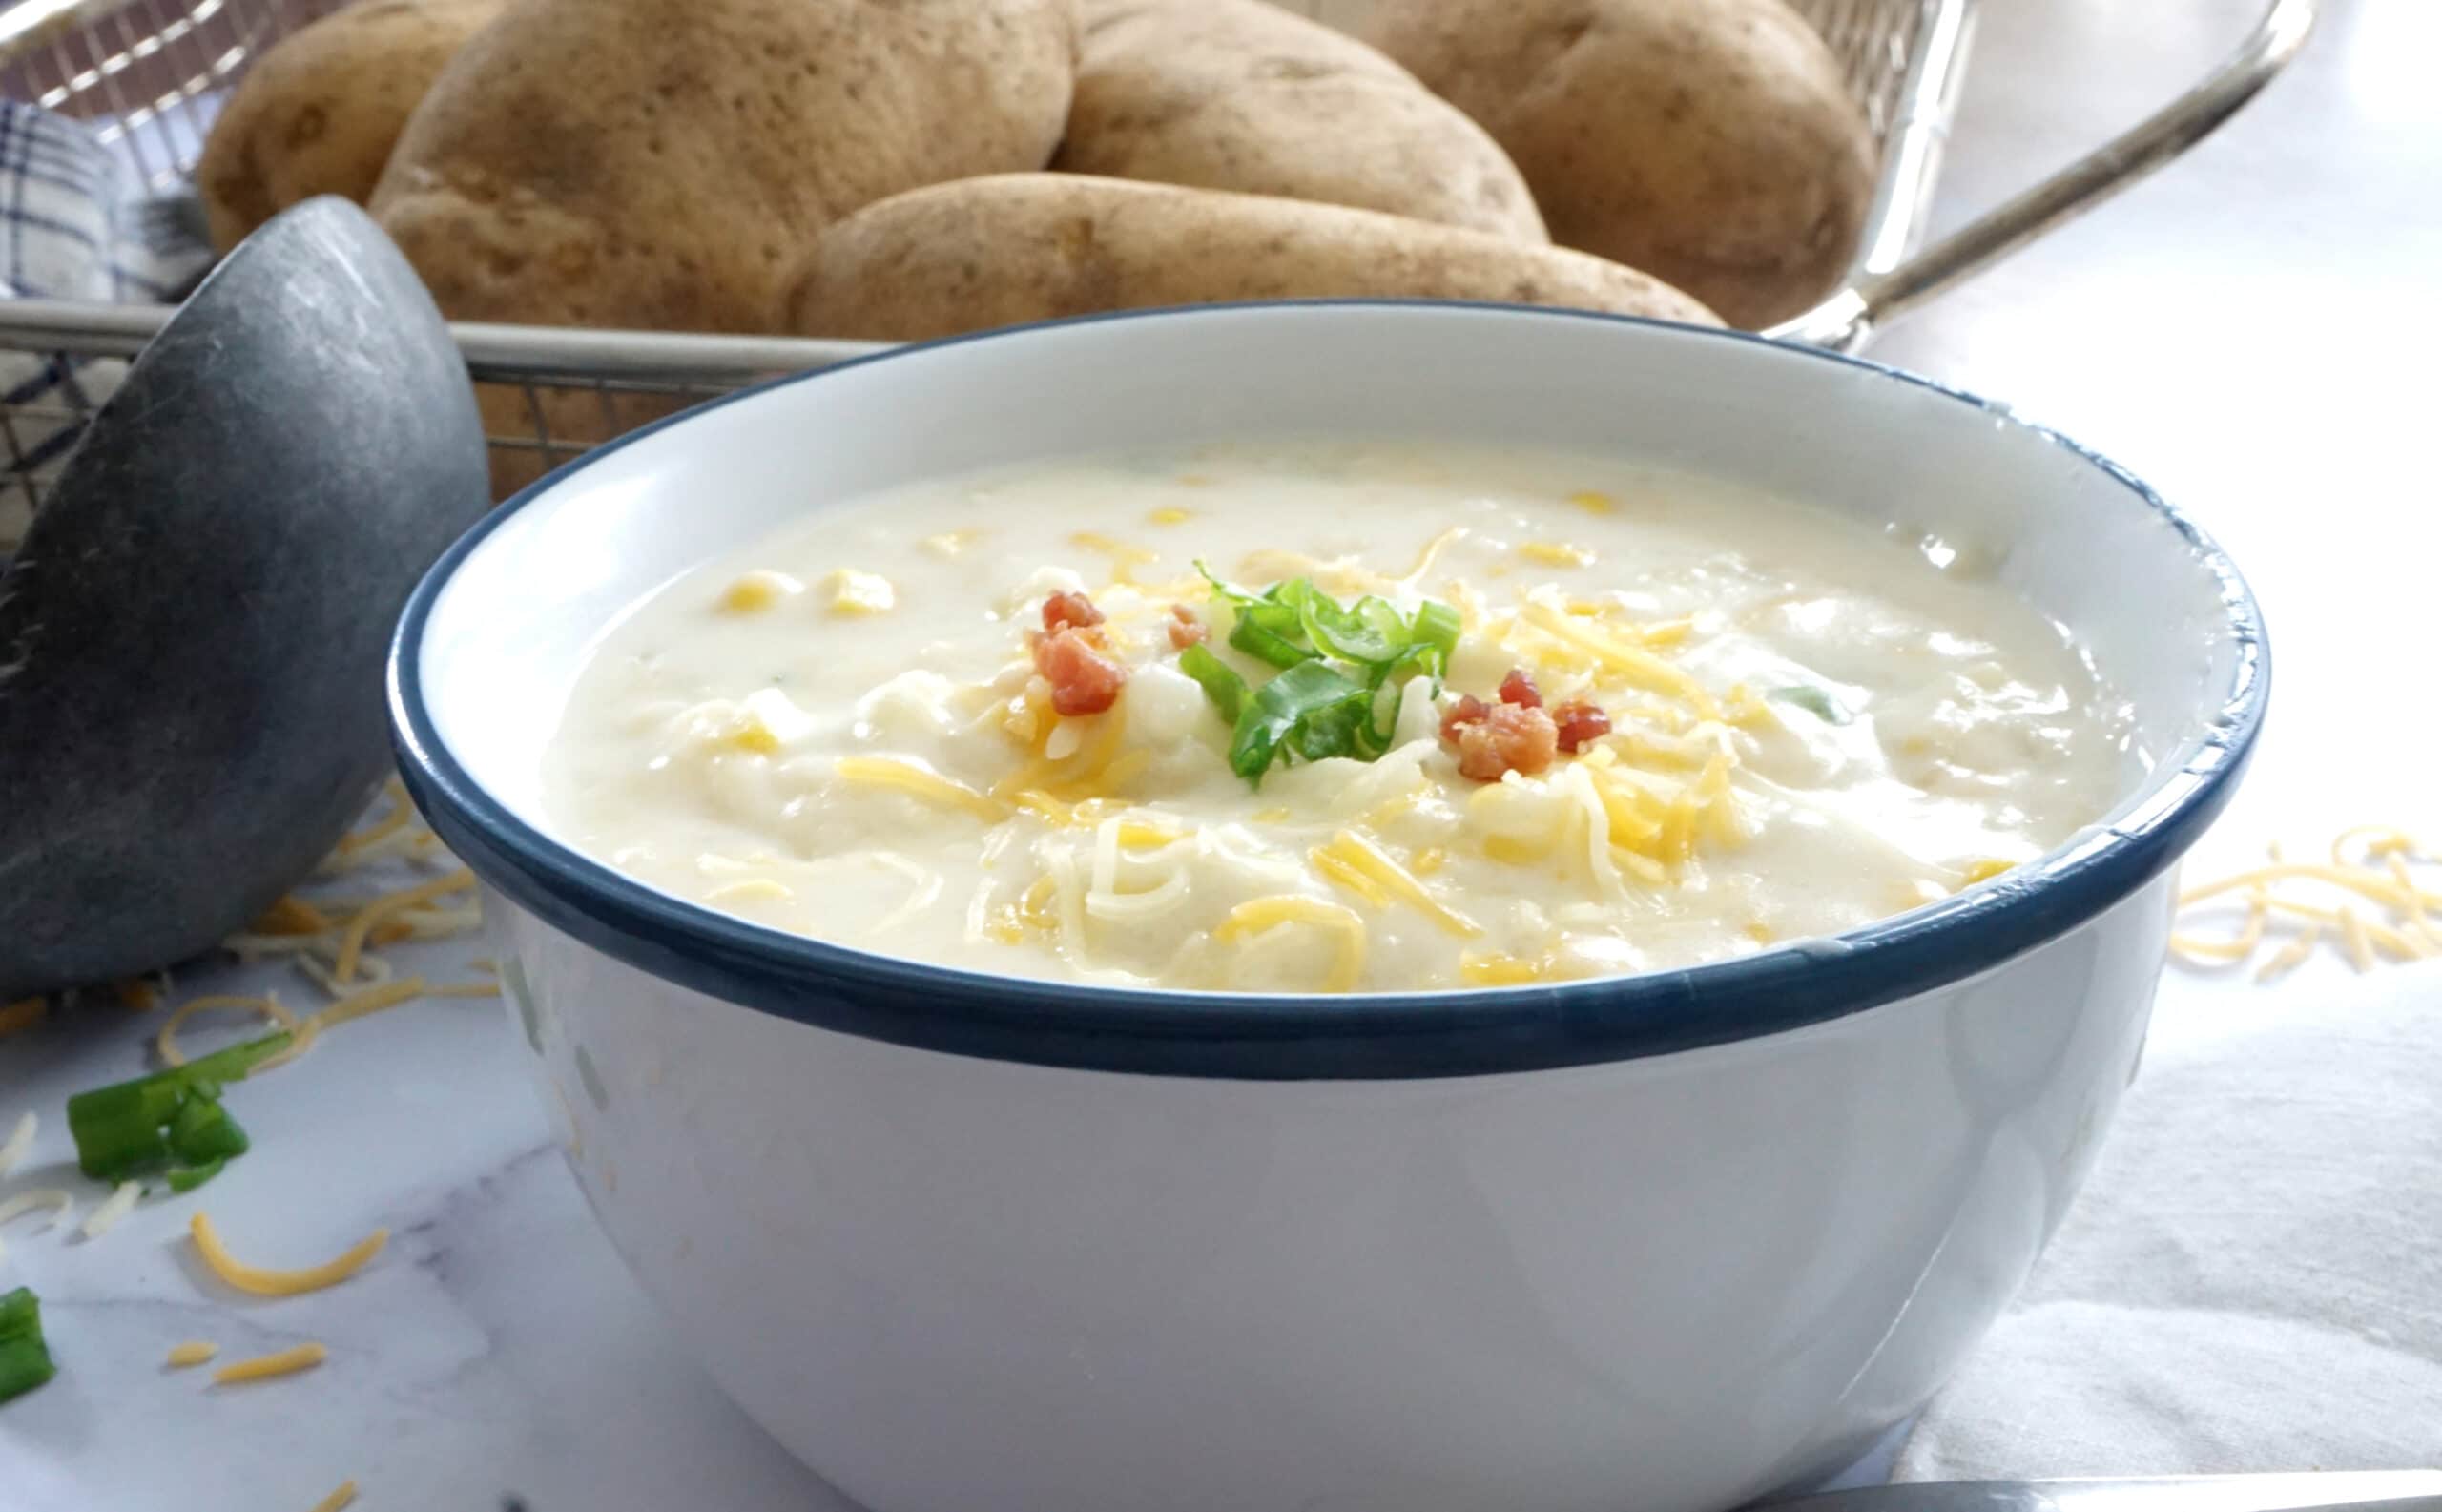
<point>497,1352</point>
<point>2246,331</point>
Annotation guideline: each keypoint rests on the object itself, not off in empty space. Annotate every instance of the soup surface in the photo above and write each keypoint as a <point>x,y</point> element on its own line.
<point>1426,718</point>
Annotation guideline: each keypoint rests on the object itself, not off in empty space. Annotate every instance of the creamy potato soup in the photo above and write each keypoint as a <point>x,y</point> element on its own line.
<point>1348,717</point>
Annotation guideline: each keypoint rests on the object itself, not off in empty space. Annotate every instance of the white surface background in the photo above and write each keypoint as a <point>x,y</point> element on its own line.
<point>2251,331</point>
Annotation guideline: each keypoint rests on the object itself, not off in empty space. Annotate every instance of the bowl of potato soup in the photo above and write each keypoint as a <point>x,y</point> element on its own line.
<point>1349,905</point>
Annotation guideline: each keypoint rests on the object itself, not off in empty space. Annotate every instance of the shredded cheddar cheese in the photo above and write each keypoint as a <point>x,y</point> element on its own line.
<point>1498,968</point>
<point>1355,855</point>
<point>194,1352</point>
<point>2370,864</point>
<point>266,1367</point>
<point>1433,548</point>
<point>1170,514</point>
<point>262,1282</point>
<point>1494,968</point>
<point>1639,666</point>
<point>1147,832</point>
<point>165,1044</point>
<point>1125,559</point>
<point>463,990</point>
<point>291,916</point>
<point>381,829</point>
<point>1594,502</point>
<point>353,940</point>
<point>2291,956</point>
<point>1339,872</point>
<point>339,1500</point>
<point>357,1005</point>
<point>919,782</point>
<point>1260,914</point>
<point>1555,554</point>
<point>22,1015</point>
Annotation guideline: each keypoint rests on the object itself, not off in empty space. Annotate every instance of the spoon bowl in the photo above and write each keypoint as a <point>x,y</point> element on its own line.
<point>192,635</point>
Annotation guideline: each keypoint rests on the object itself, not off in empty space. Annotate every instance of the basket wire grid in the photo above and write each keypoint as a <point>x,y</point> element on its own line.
<point>148,75</point>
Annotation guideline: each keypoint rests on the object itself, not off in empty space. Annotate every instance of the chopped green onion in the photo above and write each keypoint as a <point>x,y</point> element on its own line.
<point>1344,670</point>
<point>1388,695</point>
<point>1371,633</point>
<point>1230,593</point>
<point>1269,626</point>
<point>1338,727</point>
<point>1814,701</point>
<point>25,1359</point>
<point>1249,635</point>
<point>1436,629</point>
<point>1278,710</point>
<point>1222,685</point>
<point>187,1178</point>
<point>172,1118</point>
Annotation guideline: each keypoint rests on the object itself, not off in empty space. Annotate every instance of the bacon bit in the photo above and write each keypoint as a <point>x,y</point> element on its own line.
<point>1062,610</point>
<point>1581,725</point>
<point>1186,630</point>
<point>1520,689</point>
<point>1466,711</point>
<point>1510,737</point>
<point>1083,679</point>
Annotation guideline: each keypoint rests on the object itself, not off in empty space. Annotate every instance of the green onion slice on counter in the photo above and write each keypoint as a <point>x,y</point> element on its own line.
<point>168,1121</point>
<point>25,1359</point>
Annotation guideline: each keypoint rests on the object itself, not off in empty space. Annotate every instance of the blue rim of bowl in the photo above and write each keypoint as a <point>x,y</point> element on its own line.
<point>1365,1037</point>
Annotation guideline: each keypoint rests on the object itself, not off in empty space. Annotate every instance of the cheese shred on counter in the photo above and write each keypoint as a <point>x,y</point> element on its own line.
<point>2278,912</point>
<point>267,1367</point>
<point>49,1201</point>
<point>108,1213</point>
<point>262,1282</point>
<point>338,1500</point>
<point>20,1140</point>
<point>336,942</point>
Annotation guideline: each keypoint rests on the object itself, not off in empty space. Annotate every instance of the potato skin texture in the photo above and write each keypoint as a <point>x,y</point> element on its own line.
<point>320,113</point>
<point>1715,145</point>
<point>662,164</point>
<point>1017,247</point>
<point>1243,95</point>
<point>657,163</point>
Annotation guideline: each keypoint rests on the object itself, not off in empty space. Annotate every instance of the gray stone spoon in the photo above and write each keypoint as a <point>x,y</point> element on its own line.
<point>192,634</point>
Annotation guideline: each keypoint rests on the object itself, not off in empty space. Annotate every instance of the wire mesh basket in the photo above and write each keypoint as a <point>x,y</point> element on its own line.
<point>148,77</point>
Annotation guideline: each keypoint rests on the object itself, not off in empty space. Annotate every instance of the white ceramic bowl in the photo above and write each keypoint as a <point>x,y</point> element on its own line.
<point>1661,1242</point>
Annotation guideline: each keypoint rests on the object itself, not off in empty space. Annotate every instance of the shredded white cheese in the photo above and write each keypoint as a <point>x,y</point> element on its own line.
<point>20,1140</point>
<point>51,1199</point>
<point>108,1213</point>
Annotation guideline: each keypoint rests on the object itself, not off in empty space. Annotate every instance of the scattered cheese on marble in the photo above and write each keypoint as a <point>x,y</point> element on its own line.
<point>262,1282</point>
<point>266,1367</point>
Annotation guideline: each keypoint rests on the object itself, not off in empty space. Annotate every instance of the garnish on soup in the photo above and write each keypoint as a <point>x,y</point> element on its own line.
<point>1330,717</point>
